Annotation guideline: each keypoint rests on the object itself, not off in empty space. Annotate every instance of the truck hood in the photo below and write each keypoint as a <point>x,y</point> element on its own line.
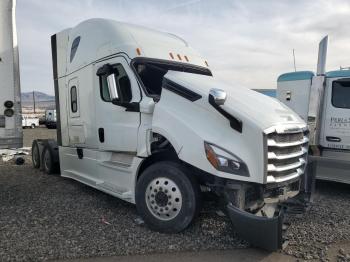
<point>241,102</point>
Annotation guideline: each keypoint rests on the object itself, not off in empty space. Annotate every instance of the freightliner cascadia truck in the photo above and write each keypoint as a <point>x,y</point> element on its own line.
<point>322,100</point>
<point>140,116</point>
<point>10,93</point>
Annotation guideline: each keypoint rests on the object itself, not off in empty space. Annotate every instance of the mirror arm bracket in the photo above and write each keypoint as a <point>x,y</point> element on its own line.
<point>130,106</point>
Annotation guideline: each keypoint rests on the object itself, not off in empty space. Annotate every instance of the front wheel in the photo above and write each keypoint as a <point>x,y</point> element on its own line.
<point>167,197</point>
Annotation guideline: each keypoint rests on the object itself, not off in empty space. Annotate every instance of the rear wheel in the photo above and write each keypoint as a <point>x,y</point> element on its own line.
<point>48,162</point>
<point>167,197</point>
<point>35,154</point>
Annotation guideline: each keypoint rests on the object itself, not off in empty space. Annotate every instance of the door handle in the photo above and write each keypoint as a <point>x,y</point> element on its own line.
<point>101,135</point>
<point>333,139</point>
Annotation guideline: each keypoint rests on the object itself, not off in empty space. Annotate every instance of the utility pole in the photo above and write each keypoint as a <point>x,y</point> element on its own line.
<point>34,101</point>
<point>295,68</point>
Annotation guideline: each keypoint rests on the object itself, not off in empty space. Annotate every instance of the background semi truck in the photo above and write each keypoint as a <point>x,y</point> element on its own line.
<point>10,93</point>
<point>141,117</point>
<point>323,100</point>
<point>50,118</point>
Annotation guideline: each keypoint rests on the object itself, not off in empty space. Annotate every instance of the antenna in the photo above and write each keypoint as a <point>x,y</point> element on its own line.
<point>295,68</point>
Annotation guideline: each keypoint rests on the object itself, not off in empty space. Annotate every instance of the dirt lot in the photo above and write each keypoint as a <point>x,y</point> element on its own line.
<point>48,217</point>
<point>42,132</point>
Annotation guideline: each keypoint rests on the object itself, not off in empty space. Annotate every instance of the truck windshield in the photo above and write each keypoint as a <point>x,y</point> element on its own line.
<point>152,71</point>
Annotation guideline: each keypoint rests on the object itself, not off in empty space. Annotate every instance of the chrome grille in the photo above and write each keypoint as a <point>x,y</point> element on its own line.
<point>284,138</point>
<point>286,155</point>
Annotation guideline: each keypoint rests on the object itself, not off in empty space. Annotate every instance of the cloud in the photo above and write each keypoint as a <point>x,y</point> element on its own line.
<point>247,42</point>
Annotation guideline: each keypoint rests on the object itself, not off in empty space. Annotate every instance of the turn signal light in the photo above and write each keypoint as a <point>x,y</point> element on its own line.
<point>211,156</point>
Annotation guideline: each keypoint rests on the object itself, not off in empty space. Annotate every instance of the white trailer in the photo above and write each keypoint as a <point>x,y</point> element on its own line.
<point>323,100</point>
<point>10,93</point>
<point>141,117</point>
<point>50,118</point>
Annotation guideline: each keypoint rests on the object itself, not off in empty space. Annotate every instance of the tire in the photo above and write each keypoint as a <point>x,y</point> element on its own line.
<point>35,154</point>
<point>19,161</point>
<point>47,160</point>
<point>159,211</point>
<point>32,126</point>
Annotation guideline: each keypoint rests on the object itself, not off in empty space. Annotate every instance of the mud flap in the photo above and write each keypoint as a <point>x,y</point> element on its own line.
<point>262,232</point>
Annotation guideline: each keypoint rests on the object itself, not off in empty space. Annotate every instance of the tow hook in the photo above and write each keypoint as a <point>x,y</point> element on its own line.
<point>262,232</point>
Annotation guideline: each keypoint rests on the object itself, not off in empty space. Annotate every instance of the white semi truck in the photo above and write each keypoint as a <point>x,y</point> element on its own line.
<point>50,118</point>
<point>10,93</point>
<point>141,117</point>
<point>322,100</point>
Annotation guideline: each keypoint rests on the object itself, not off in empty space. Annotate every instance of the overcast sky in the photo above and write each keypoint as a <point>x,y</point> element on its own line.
<point>246,42</point>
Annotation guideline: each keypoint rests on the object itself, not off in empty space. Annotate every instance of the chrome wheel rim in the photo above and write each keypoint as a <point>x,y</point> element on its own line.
<point>163,198</point>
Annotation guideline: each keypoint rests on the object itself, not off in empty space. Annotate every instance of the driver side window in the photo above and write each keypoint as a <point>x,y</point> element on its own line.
<point>122,82</point>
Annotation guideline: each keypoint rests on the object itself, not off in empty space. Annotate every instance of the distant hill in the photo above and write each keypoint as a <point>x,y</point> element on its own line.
<point>42,102</point>
<point>39,97</point>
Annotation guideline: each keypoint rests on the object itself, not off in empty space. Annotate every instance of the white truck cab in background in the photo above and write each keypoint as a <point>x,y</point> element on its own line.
<point>141,117</point>
<point>323,100</point>
<point>50,118</point>
<point>10,93</point>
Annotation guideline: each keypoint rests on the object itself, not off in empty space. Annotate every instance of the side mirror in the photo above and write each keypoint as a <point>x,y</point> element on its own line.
<point>112,87</point>
<point>104,70</point>
<point>218,95</point>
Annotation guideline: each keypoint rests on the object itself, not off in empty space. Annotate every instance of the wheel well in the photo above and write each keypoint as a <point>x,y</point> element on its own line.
<point>161,150</point>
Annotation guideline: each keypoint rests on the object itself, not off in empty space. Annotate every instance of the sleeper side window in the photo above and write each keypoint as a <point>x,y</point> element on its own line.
<point>104,89</point>
<point>73,99</point>
<point>341,94</point>
<point>122,82</point>
<point>74,48</point>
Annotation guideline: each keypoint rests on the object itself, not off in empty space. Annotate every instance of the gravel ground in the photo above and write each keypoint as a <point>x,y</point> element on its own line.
<point>326,223</point>
<point>48,217</point>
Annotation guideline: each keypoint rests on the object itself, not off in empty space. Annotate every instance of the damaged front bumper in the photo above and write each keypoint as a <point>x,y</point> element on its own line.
<point>262,232</point>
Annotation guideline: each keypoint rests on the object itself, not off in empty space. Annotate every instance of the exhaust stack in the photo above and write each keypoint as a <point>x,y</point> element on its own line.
<point>322,56</point>
<point>317,94</point>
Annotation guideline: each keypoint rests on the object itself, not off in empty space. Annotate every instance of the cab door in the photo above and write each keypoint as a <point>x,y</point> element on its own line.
<point>336,114</point>
<point>116,125</point>
<point>76,130</point>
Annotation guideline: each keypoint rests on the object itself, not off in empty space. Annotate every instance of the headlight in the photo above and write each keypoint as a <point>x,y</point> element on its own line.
<point>225,161</point>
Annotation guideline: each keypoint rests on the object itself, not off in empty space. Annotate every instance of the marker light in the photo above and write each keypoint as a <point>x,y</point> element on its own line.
<point>138,51</point>
<point>186,58</point>
<point>206,63</point>
<point>171,55</point>
<point>178,56</point>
